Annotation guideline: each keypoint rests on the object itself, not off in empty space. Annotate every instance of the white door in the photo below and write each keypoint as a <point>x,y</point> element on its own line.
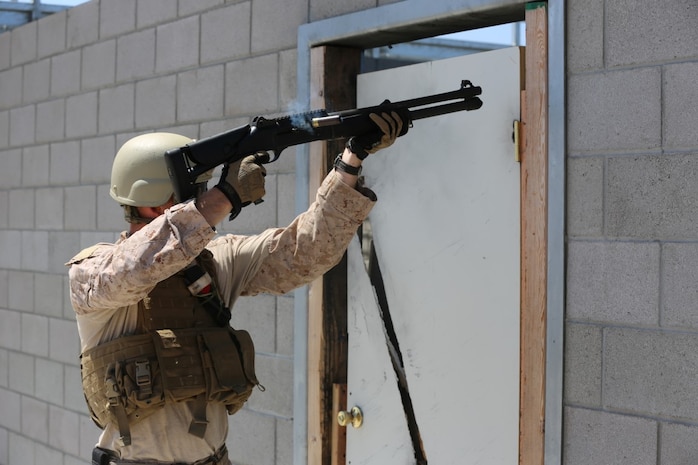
<point>435,367</point>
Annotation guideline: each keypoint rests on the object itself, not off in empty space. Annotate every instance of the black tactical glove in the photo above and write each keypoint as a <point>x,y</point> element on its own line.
<point>390,126</point>
<point>242,182</point>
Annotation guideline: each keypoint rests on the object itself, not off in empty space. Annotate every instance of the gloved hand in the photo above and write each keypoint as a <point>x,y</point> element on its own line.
<point>390,126</point>
<point>242,182</point>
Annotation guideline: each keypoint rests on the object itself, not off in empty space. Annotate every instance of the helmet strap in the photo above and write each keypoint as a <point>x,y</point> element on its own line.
<point>132,216</point>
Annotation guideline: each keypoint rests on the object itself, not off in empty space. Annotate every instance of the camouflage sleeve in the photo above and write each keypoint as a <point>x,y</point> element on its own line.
<point>315,241</point>
<point>116,275</point>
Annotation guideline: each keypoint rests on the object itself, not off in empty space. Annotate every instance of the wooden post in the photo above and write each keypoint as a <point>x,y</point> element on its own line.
<point>333,86</point>
<point>534,202</point>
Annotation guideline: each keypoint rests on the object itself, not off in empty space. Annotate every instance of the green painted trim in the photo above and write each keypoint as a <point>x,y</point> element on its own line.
<point>534,5</point>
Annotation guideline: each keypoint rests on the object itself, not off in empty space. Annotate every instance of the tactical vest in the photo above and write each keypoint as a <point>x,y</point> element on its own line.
<point>183,351</point>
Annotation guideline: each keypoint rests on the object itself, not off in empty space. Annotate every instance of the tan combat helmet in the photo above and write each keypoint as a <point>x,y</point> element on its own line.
<point>139,176</point>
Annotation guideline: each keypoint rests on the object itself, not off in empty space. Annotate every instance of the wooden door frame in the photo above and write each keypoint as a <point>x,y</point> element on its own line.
<point>333,70</point>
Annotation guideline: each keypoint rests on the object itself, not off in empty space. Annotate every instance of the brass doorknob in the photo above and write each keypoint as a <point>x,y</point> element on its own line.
<point>355,416</point>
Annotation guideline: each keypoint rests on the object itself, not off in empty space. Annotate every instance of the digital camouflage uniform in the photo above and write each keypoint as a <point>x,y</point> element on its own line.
<point>107,282</point>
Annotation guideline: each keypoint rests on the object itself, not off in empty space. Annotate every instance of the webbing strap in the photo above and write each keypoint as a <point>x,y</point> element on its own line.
<point>116,407</point>
<point>198,424</point>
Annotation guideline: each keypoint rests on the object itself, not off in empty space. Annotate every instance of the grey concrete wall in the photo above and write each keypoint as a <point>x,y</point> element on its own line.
<point>631,352</point>
<point>73,87</point>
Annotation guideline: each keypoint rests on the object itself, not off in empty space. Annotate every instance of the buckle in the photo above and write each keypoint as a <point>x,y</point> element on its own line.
<point>143,379</point>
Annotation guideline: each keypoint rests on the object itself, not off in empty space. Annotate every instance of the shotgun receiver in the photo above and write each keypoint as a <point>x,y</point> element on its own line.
<point>186,164</point>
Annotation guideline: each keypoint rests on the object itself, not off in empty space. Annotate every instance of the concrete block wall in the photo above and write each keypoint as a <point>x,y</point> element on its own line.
<point>631,351</point>
<point>73,87</point>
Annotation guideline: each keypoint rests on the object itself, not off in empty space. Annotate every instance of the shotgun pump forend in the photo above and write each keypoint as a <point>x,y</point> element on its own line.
<point>185,164</point>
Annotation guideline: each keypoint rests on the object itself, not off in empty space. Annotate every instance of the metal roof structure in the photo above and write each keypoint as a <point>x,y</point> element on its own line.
<point>13,14</point>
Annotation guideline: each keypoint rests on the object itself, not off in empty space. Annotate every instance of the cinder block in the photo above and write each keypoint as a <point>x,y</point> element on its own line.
<point>36,81</point>
<point>679,444</point>
<point>605,112</point>
<point>4,129</point>
<point>35,419</point>
<point>64,162</point>
<point>73,395</point>
<point>10,330</point>
<point>583,358</point>
<point>156,102</point>
<point>96,157</point>
<point>61,247</point>
<point>49,381</point>
<point>88,436</point>
<point>260,73</point>
<point>585,33</point>
<point>82,24</point>
<point>11,94</point>
<point>680,106</point>
<point>116,17</point>
<point>35,250</point>
<point>98,64</point>
<point>35,166</point>
<point>4,208</point>
<point>10,175</point>
<point>652,197</point>
<point>135,56</point>
<point>21,450</point>
<point>22,125</point>
<point>655,31</point>
<point>188,7</point>
<point>63,425</point>
<point>267,16</point>
<point>613,281</point>
<point>116,109</point>
<point>10,409</point>
<point>21,202</point>
<point>257,315</point>
<point>4,285</point>
<point>9,244</point>
<point>64,342</point>
<point>24,44</point>
<point>65,73</point>
<point>250,437</point>
<point>276,374</point>
<point>52,34</point>
<point>286,198</point>
<point>225,33</point>
<point>288,85</point>
<point>80,212</point>
<point>50,121</point>
<point>21,295</point>
<point>177,45</point>
<point>651,373</point>
<point>45,454</point>
<point>35,335</point>
<point>321,9</point>
<point>5,47</point>
<point>110,216</point>
<point>679,285</point>
<point>48,294</point>
<point>4,369</point>
<point>593,437</point>
<point>284,441</point>
<point>49,208</point>
<point>585,196</point>
<point>81,115</point>
<point>21,377</point>
<point>155,12</point>
<point>200,94</point>
<point>284,325</point>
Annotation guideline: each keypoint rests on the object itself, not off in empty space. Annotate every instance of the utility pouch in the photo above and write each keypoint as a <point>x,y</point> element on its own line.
<point>130,376</point>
